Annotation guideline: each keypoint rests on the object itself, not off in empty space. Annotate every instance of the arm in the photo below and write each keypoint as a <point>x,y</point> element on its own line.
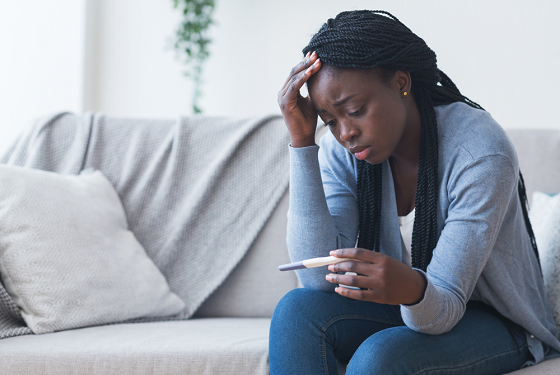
<point>323,213</point>
<point>311,230</point>
<point>479,196</point>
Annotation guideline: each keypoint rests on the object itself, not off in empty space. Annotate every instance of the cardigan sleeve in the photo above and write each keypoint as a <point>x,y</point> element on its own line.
<point>479,196</point>
<point>323,213</point>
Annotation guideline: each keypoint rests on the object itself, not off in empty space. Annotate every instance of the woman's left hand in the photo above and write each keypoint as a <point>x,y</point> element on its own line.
<point>385,279</point>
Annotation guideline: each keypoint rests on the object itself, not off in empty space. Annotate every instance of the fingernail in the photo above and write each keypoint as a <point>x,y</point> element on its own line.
<point>313,54</point>
<point>331,268</point>
<point>316,63</point>
<point>328,277</point>
<point>306,56</point>
<point>333,252</point>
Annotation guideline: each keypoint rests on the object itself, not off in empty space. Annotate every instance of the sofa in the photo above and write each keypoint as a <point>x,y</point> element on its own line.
<point>228,333</point>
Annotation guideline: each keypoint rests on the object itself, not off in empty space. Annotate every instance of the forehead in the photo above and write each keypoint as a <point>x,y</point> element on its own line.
<point>332,84</point>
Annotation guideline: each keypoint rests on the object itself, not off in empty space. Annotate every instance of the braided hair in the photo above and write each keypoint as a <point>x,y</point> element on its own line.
<point>376,39</point>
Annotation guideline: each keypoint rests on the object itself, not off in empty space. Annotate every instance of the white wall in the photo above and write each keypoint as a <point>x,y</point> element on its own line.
<point>502,54</point>
<point>42,54</point>
<point>133,66</point>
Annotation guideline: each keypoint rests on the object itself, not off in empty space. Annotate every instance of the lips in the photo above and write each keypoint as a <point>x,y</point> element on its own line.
<point>360,152</point>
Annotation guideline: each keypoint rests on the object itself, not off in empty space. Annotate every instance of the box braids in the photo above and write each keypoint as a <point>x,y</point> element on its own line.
<point>376,39</point>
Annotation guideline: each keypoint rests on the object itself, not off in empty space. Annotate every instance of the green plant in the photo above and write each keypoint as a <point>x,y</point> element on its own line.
<point>192,41</point>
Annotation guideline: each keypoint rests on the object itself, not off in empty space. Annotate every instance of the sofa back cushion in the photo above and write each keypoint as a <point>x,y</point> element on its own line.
<point>255,286</point>
<point>538,151</point>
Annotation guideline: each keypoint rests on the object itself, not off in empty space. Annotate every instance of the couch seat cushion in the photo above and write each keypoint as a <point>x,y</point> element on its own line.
<point>196,346</point>
<point>550,367</point>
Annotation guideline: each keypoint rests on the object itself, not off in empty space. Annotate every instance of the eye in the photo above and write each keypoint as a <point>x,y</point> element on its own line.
<point>330,123</point>
<point>355,113</point>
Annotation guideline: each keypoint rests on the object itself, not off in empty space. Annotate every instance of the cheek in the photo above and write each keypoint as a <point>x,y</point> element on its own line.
<point>385,131</point>
<point>388,122</point>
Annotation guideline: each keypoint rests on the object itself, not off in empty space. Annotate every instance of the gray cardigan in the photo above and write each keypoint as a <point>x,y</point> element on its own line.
<point>483,251</point>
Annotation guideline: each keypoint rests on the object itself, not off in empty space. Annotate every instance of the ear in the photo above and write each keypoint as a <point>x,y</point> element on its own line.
<point>403,82</point>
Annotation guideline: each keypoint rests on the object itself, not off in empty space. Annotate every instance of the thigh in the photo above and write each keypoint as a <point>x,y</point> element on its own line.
<point>479,344</point>
<point>311,329</point>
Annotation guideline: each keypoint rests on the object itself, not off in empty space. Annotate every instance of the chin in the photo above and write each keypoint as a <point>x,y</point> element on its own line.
<point>376,159</point>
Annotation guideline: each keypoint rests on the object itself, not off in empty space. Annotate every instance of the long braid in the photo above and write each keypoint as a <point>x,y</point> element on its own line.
<point>369,237</point>
<point>377,39</point>
<point>424,233</point>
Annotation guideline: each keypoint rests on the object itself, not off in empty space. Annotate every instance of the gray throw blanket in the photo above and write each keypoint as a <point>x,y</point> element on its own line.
<point>196,191</point>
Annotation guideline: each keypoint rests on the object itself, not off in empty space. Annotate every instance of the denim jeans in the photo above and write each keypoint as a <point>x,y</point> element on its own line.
<point>310,330</point>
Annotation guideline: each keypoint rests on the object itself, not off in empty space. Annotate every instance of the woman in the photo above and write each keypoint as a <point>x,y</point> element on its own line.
<point>425,178</point>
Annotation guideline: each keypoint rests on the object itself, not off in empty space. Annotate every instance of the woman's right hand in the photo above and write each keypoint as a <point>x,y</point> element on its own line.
<point>299,113</point>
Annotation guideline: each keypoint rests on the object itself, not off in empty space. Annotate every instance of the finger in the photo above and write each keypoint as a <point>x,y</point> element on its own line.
<point>357,294</point>
<point>298,80</point>
<point>358,254</point>
<point>350,280</point>
<point>359,267</point>
<point>302,65</point>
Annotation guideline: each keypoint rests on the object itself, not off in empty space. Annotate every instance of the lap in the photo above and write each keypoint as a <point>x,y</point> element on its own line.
<point>375,340</point>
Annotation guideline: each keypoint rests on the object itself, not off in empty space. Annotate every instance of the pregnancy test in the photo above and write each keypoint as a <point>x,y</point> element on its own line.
<point>313,262</point>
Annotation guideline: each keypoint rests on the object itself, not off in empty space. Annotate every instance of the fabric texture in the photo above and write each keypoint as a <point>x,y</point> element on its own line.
<point>319,328</point>
<point>196,191</point>
<point>67,257</point>
<point>225,346</point>
<point>540,161</point>
<point>548,367</point>
<point>406,224</point>
<point>255,286</point>
<point>480,226</point>
<point>545,218</point>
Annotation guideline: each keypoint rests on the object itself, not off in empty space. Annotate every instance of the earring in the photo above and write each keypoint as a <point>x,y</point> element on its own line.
<point>405,93</point>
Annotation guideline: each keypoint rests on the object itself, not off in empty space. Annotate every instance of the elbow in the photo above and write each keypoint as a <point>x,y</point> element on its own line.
<point>439,311</point>
<point>435,325</point>
<point>434,329</point>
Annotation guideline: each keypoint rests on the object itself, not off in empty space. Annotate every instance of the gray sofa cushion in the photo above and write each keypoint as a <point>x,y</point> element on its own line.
<point>255,286</point>
<point>550,367</point>
<point>197,347</point>
<point>539,158</point>
<point>67,257</point>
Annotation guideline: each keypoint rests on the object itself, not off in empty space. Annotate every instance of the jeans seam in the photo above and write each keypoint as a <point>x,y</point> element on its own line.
<point>472,363</point>
<point>324,352</point>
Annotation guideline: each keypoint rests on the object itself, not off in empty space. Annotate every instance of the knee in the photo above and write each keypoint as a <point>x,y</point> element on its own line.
<point>295,302</point>
<point>390,351</point>
<point>296,309</point>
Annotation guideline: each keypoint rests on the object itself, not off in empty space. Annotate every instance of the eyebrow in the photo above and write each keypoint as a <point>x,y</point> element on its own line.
<point>339,103</point>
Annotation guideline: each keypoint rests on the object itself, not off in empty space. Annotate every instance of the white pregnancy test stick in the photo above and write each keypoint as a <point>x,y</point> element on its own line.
<point>313,262</point>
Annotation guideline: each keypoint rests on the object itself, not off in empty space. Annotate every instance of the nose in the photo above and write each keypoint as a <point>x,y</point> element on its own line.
<point>348,131</point>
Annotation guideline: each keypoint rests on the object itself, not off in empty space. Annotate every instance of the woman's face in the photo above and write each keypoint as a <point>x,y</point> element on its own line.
<point>366,112</point>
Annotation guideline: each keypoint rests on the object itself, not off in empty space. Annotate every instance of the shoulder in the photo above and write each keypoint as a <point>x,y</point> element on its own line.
<point>468,134</point>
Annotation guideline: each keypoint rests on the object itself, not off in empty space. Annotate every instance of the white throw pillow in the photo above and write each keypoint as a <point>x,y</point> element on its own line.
<point>67,257</point>
<point>545,219</point>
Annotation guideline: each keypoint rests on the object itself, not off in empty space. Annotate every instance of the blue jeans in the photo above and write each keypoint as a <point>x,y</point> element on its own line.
<point>310,330</point>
